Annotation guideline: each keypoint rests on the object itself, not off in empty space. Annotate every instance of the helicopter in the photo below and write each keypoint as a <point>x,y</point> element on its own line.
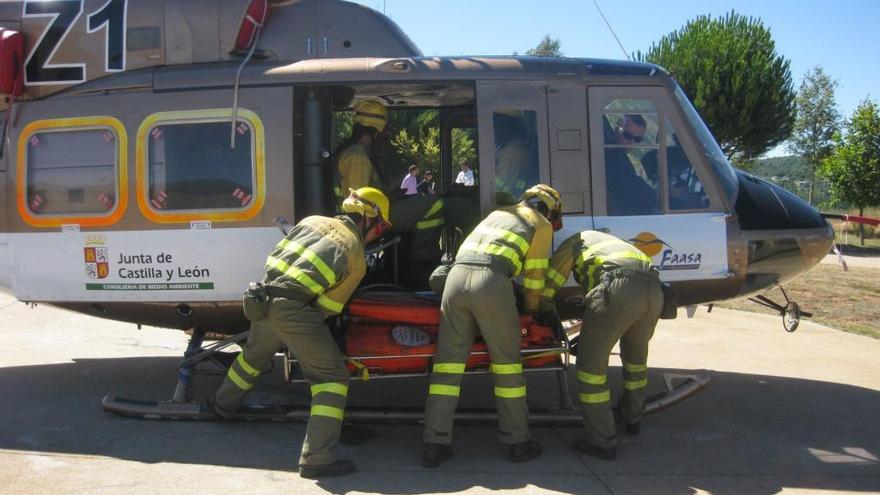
<point>151,149</point>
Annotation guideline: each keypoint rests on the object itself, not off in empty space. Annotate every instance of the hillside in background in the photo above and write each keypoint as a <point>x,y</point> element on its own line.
<point>791,173</point>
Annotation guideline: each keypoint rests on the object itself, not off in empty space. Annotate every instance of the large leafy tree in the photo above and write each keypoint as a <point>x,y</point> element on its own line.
<point>548,47</point>
<point>854,168</point>
<point>816,123</point>
<point>742,88</point>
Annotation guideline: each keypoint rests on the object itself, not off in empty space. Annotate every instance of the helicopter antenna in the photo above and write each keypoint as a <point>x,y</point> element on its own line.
<point>625,53</point>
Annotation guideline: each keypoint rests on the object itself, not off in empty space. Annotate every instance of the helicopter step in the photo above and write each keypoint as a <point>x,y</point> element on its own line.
<point>678,387</point>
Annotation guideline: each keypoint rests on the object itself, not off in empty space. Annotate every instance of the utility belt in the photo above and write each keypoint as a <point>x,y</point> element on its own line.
<point>275,291</point>
<point>496,263</point>
<point>624,272</point>
<point>257,298</point>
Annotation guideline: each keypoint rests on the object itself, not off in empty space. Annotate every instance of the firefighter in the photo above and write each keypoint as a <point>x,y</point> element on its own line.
<point>310,275</point>
<point>353,164</point>
<point>624,300</point>
<point>478,298</point>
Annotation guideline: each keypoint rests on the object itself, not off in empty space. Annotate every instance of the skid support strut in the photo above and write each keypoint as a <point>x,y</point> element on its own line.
<point>183,390</point>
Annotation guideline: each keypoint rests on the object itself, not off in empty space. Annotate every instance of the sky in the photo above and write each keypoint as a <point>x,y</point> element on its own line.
<point>838,35</point>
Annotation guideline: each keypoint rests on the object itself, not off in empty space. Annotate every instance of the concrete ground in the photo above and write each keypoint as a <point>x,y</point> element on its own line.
<point>785,413</point>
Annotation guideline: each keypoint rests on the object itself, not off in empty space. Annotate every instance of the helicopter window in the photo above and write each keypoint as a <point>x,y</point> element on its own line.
<point>72,172</point>
<point>631,129</point>
<point>686,191</point>
<point>191,166</point>
<point>516,153</point>
<point>713,152</point>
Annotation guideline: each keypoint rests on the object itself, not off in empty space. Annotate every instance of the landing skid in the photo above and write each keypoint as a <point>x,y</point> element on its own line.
<point>791,313</point>
<point>678,387</point>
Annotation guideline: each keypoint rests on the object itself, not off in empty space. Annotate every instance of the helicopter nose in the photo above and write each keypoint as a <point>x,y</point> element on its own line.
<point>785,235</point>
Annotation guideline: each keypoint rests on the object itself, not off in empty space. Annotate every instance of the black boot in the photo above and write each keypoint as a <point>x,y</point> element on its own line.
<point>433,454</point>
<point>339,467</point>
<point>606,453</point>
<point>525,451</point>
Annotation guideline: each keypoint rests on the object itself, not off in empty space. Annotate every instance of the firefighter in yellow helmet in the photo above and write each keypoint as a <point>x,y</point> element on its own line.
<point>624,301</point>
<point>353,164</point>
<point>478,299</point>
<point>310,275</point>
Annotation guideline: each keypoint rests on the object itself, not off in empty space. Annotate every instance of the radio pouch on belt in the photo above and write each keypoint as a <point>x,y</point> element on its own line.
<point>670,303</point>
<point>256,302</point>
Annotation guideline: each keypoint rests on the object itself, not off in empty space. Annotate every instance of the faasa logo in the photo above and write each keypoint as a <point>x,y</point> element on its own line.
<point>671,259</point>
<point>648,243</point>
<point>96,256</point>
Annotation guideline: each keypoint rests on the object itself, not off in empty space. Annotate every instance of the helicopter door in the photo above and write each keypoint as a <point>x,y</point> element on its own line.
<point>649,185</point>
<point>513,140</point>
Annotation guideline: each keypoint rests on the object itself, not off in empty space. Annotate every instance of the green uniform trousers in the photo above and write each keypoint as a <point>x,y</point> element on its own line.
<point>301,328</point>
<point>626,308</point>
<point>478,299</point>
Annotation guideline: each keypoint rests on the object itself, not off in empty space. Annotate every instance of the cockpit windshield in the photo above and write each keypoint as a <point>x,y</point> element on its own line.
<point>713,152</point>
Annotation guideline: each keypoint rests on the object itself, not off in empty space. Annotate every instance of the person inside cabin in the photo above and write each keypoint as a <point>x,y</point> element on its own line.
<point>353,164</point>
<point>627,192</point>
<point>410,182</point>
<point>466,175</point>
<point>426,186</point>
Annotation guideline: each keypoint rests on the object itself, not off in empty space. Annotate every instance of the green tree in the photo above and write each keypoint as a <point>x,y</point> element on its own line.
<point>816,123</point>
<point>548,47</point>
<point>730,69</point>
<point>854,168</point>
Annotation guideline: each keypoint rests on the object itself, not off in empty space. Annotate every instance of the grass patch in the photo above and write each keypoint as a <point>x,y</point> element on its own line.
<point>848,301</point>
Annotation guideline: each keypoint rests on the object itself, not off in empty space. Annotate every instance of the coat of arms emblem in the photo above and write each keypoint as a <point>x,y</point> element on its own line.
<point>97,259</point>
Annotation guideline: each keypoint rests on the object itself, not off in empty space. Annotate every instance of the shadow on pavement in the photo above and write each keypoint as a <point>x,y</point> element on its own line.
<point>744,434</point>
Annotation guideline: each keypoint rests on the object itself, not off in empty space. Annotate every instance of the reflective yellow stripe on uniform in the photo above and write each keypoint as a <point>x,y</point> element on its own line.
<point>250,370</point>
<point>507,235</point>
<point>434,208</point>
<point>533,283</point>
<point>295,273</point>
<point>494,249</point>
<point>510,392</point>
<point>555,276</point>
<point>596,398</point>
<point>549,292</point>
<point>329,304</point>
<point>456,368</point>
<point>310,255</point>
<point>635,384</point>
<point>330,387</point>
<point>635,368</point>
<point>505,369</point>
<point>327,411</point>
<point>592,379</point>
<point>450,390</point>
<point>429,224</point>
<point>536,264</point>
<point>238,380</point>
<point>585,255</point>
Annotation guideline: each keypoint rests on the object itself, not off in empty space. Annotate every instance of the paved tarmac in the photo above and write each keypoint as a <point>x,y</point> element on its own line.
<point>785,413</point>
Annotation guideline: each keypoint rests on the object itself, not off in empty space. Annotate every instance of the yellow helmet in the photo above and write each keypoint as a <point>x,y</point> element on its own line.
<point>546,195</point>
<point>369,202</point>
<point>371,114</point>
<point>549,197</point>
